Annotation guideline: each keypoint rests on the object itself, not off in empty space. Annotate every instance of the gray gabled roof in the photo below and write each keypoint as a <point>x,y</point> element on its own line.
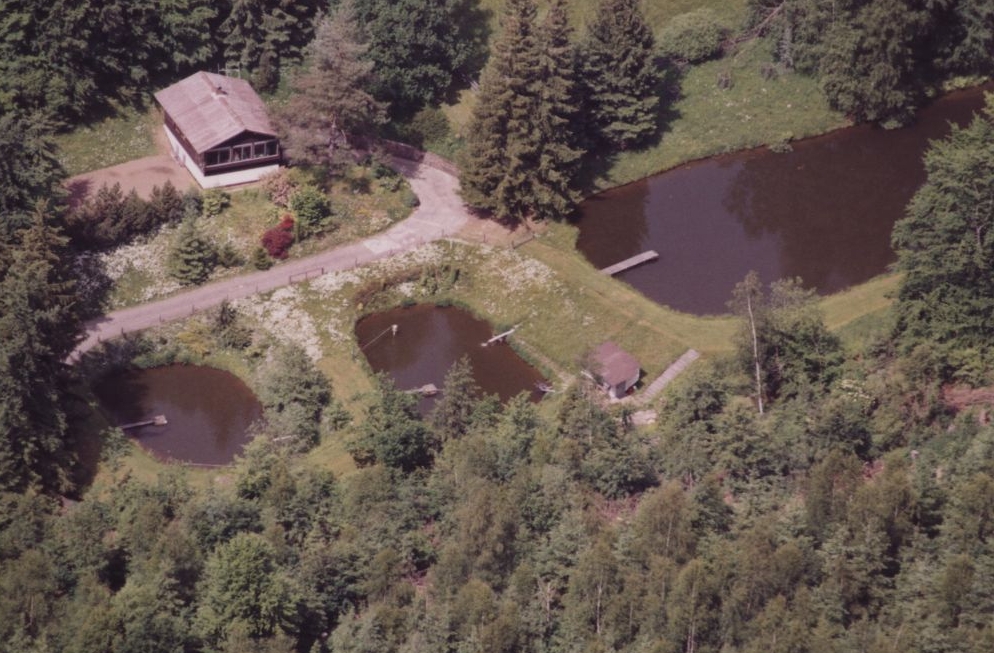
<point>210,109</point>
<point>613,364</point>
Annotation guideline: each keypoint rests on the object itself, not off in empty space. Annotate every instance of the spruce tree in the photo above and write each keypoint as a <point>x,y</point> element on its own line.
<point>502,146</point>
<point>39,326</point>
<point>620,79</point>
<point>519,159</point>
<point>559,158</point>
<point>193,257</point>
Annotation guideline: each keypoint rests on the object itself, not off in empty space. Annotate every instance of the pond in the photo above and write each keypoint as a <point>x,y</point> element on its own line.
<point>823,212</point>
<point>430,339</point>
<point>208,411</point>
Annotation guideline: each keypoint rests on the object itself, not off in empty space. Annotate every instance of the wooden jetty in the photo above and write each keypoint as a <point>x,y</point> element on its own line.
<point>501,336</point>
<point>628,263</point>
<point>428,390</point>
<point>158,420</point>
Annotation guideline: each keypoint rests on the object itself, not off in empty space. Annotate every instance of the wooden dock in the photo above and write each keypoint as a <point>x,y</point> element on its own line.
<point>628,263</point>
<point>500,337</point>
<point>158,420</point>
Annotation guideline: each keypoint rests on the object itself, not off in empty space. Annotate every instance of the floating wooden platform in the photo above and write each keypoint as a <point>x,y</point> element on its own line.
<point>644,257</point>
<point>158,420</point>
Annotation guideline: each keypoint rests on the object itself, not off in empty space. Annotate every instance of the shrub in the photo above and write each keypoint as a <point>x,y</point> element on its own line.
<point>694,36</point>
<point>430,125</point>
<point>312,209</point>
<point>214,202</point>
<point>279,186</point>
<point>193,257</point>
<point>277,240</point>
<point>228,256</point>
<point>260,259</point>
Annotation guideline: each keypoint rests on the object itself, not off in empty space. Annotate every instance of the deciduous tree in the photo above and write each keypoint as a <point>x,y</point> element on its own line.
<point>945,247</point>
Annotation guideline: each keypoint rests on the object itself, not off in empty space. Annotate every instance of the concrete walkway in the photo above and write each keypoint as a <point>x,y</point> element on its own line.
<point>440,214</point>
<point>670,373</point>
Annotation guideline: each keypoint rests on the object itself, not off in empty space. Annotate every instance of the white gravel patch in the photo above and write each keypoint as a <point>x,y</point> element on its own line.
<point>281,314</point>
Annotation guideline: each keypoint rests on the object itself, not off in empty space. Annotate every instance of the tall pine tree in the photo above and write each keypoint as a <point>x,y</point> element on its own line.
<point>621,82</point>
<point>560,156</point>
<point>39,326</point>
<point>331,100</point>
<point>519,161</point>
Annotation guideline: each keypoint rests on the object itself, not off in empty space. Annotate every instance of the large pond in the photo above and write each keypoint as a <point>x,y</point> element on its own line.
<point>208,411</point>
<point>823,212</point>
<point>430,339</point>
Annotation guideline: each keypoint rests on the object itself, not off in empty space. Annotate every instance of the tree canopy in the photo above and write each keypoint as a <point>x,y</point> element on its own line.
<point>945,247</point>
<point>520,158</point>
<point>331,100</point>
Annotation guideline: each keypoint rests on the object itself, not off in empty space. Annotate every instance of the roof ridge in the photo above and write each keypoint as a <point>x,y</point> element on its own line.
<point>222,97</point>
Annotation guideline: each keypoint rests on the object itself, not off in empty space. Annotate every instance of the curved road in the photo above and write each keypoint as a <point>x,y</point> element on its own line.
<point>441,213</point>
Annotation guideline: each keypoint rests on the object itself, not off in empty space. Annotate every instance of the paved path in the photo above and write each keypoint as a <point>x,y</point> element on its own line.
<point>440,214</point>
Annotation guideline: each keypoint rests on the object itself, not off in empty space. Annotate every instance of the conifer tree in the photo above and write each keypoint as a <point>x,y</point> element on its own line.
<point>331,100</point>
<point>519,158</point>
<point>501,148</point>
<point>619,76</point>
<point>559,158</point>
<point>39,325</point>
<point>193,257</point>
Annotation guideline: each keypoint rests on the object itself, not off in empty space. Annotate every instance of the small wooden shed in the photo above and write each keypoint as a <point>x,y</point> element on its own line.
<point>614,369</point>
<point>219,129</point>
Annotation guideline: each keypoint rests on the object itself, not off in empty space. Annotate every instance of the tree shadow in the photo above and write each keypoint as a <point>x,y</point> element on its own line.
<point>474,33</point>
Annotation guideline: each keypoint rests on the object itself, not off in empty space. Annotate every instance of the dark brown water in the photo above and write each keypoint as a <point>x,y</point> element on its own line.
<point>208,410</point>
<point>430,339</point>
<point>823,212</point>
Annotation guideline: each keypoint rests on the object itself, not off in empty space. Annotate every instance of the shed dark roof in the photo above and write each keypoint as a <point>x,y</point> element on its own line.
<point>613,364</point>
<point>210,109</point>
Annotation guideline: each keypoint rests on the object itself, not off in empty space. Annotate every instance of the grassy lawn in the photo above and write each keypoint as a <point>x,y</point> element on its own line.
<point>707,120</point>
<point>128,135</point>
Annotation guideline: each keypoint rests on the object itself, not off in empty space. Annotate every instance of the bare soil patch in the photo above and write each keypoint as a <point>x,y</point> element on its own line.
<point>141,174</point>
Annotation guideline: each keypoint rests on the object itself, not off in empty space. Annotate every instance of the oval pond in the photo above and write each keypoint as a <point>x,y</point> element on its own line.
<point>208,411</point>
<point>823,212</point>
<point>430,339</point>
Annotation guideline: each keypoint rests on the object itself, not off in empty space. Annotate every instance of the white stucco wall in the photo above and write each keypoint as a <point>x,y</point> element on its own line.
<point>234,178</point>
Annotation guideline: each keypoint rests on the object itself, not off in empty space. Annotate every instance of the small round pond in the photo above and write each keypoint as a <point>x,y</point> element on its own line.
<point>823,212</point>
<point>430,339</point>
<point>208,411</point>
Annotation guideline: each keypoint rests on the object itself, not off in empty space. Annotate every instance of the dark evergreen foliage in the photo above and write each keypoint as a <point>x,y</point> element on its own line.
<point>421,48</point>
<point>520,158</point>
<point>193,257</point>
<point>619,75</point>
<point>29,171</point>
<point>39,327</point>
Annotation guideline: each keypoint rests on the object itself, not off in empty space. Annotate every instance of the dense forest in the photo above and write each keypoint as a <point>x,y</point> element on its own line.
<point>804,493</point>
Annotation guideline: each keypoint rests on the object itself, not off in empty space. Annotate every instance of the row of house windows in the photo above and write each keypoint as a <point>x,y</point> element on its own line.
<point>249,151</point>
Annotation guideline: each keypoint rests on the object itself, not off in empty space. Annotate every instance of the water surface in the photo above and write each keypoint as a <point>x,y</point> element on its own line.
<point>430,339</point>
<point>208,410</point>
<point>822,212</point>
